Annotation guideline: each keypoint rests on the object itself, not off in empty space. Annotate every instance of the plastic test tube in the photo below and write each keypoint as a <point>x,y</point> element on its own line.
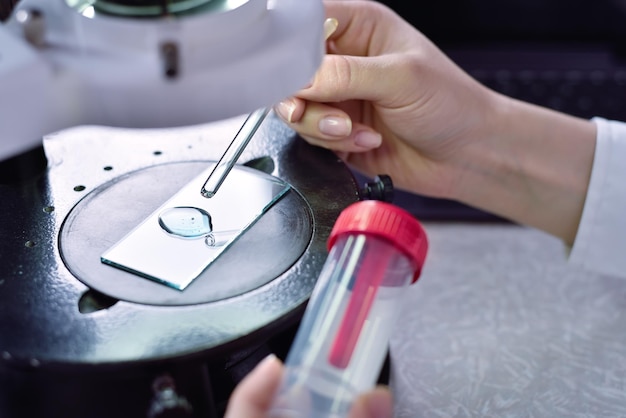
<point>375,251</point>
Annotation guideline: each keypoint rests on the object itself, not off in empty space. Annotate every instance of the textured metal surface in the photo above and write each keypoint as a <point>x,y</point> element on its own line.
<point>40,322</point>
<point>499,325</point>
<point>270,247</point>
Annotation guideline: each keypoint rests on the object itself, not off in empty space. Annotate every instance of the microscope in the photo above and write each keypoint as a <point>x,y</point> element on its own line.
<point>108,108</point>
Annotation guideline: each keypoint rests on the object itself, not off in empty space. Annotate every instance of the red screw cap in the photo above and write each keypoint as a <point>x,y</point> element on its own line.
<point>385,221</point>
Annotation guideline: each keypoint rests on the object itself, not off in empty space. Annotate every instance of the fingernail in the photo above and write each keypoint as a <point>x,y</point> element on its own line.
<point>367,139</point>
<point>335,126</point>
<point>285,110</point>
<point>270,358</point>
<point>330,26</point>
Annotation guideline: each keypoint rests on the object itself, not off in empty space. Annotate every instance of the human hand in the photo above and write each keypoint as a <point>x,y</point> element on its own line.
<point>388,101</point>
<point>252,398</point>
<point>383,79</point>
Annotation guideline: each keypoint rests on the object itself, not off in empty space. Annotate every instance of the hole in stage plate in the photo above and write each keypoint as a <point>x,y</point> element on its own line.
<point>93,301</point>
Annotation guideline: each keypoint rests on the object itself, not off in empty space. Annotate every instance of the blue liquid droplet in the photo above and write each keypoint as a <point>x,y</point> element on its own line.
<point>186,222</point>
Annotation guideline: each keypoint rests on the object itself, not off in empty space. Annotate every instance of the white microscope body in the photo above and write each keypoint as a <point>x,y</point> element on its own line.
<point>183,62</point>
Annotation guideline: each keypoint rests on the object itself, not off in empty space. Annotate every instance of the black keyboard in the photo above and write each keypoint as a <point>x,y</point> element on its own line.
<point>584,81</point>
<point>580,93</point>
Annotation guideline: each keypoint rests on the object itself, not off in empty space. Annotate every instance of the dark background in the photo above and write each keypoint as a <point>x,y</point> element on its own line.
<point>5,8</point>
<point>461,21</point>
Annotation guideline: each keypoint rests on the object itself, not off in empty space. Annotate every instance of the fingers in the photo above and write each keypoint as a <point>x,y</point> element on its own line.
<point>315,118</point>
<point>253,396</point>
<point>327,126</point>
<point>330,26</point>
<point>377,403</point>
<point>363,36</point>
<point>364,39</point>
<point>346,77</point>
<point>356,39</point>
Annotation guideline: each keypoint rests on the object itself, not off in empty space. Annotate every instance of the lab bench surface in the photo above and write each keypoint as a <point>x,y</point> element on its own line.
<point>500,325</point>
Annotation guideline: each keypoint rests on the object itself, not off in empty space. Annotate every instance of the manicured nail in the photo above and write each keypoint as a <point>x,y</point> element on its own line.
<point>367,139</point>
<point>335,126</point>
<point>330,26</point>
<point>285,110</point>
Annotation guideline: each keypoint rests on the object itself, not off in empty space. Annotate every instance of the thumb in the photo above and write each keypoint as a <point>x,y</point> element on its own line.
<point>377,403</point>
<point>345,77</point>
<point>253,397</point>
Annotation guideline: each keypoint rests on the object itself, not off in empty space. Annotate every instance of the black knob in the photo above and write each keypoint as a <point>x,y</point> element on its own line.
<point>167,403</point>
<point>379,189</point>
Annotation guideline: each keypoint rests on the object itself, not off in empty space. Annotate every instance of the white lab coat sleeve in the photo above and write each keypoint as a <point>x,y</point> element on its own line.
<point>600,243</point>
